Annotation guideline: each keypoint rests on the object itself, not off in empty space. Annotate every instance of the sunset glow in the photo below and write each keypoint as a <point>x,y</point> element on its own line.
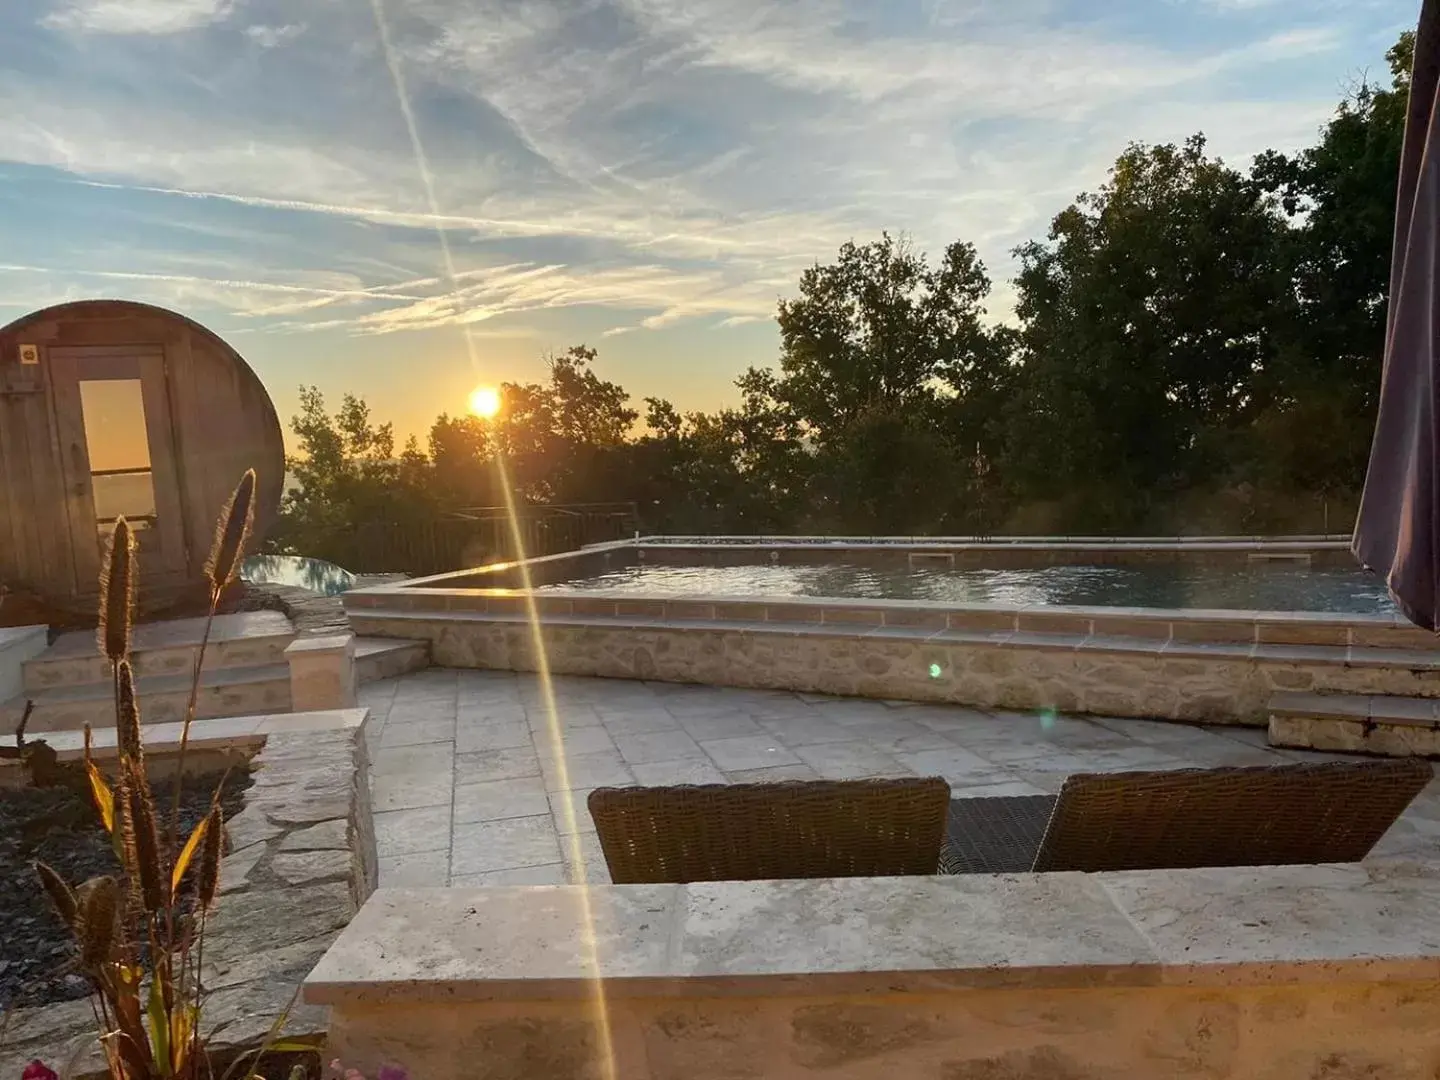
<point>485,402</point>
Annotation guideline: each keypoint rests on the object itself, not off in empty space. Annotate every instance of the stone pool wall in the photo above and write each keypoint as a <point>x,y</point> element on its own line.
<point>301,862</point>
<point>1267,974</point>
<point>1215,666</point>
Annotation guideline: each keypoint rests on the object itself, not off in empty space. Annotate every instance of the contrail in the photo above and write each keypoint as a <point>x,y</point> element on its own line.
<point>374,213</point>
<point>226,283</point>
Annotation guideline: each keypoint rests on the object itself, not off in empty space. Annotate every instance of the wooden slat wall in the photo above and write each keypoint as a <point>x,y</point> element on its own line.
<point>225,424</point>
<point>34,534</point>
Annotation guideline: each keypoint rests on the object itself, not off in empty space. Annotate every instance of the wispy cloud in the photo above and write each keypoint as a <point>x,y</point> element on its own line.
<point>657,161</point>
<point>269,37</point>
<point>137,16</point>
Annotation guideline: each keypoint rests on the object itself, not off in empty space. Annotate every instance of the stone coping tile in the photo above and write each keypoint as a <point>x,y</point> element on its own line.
<point>1407,710</point>
<point>322,643</point>
<point>1060,642</point>
<point>1224,925</point>
<point>967,637</point>
<point>218,733</point>
<point>415,944</point>
<point>1365,656</point>
<point>1123,644</point>
<point>1241,926</point>
<point>1199,624</point>
<point>1301,703</point>
<point>1213,650</point>
<point>1383,708</point>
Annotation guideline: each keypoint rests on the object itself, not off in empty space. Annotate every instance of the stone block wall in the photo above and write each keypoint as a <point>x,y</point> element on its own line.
<point>1198,681</point>
<point>1265,973</point>
<point>1296,1032</point>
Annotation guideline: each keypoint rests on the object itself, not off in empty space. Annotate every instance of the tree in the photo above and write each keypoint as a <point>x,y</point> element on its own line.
<point>461,456</point>
<point>868,350</point>
<point>1148,321</point>
<point>877,330</point>
<point>562,439</point>
<point>345,475</point>
<point>1340,194</point>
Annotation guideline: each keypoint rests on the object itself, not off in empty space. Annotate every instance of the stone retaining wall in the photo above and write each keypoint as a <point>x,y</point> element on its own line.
<point>301,862</point>
<point>1214,681</point>
<point>1294,973</point>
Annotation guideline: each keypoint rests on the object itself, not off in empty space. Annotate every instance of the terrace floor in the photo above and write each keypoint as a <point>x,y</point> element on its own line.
<point>467,786</point>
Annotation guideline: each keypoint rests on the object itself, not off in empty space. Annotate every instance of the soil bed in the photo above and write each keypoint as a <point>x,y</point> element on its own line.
<point>59,826</point>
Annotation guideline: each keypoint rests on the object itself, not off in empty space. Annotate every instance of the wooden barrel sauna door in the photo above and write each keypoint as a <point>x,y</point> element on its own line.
<point>117,454</point>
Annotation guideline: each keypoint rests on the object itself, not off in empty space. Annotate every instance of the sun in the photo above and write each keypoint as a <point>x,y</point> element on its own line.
<point>485,401</point>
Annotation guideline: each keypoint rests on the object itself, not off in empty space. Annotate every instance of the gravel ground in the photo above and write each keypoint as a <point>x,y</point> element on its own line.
<point>59,826</point>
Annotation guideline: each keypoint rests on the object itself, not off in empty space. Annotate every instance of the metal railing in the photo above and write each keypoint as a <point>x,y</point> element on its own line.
<point>475,536</point>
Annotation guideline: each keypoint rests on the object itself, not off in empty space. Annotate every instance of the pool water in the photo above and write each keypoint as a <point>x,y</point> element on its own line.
<point>1268,588</point>
<point>314,574</point>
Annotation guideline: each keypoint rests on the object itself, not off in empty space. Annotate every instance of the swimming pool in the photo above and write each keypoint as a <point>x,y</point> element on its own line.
<point>1176,586</point>
<point>1202,630</point>
<point>314,574</point>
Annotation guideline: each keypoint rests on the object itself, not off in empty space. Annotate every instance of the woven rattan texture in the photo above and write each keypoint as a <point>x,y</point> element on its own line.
<point>1261,816</point>
<point>749,832</point>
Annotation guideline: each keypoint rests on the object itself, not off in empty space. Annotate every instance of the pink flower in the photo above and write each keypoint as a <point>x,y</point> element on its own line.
<point>392,1072</point>
<point>38,1070</point>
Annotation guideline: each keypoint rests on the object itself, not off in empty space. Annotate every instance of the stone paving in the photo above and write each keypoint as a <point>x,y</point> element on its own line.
<point>469,785</point>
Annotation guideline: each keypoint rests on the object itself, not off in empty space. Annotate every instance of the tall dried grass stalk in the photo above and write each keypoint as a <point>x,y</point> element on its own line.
<point>117,594</point>
<point>67,906</point>
<point>127,714</point>
<point>208,876</point>
<point>139,946</point>
<point>232,533</point>
<point>149,860</point>
<point>97,920</point>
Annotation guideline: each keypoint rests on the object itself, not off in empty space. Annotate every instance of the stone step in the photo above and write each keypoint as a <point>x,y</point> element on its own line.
<point>245,639</point>
<point>232,691</point>
<point>385,658</point>
<point>18,646</point>
<point>1390,726</point>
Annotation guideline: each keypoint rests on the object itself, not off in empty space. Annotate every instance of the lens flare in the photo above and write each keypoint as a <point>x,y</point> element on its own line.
<point>485,402</point>
<point>600,1006</point>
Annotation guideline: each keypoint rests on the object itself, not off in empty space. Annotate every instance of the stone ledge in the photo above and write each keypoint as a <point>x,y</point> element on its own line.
<point>1414,712</point>
<point>1271,627</point>
<point>219,733</point>
<point>1394,737</point>
<point>1253,926</point>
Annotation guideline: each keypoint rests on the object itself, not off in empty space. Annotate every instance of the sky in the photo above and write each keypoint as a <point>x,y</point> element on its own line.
<point>403,199</point>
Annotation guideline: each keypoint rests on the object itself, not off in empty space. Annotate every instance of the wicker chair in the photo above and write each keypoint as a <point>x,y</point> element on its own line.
<point>1184,818</point>
<point>790,829</point>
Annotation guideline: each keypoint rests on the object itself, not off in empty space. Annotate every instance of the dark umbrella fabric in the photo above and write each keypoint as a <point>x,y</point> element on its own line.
<point>1397,533</point>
